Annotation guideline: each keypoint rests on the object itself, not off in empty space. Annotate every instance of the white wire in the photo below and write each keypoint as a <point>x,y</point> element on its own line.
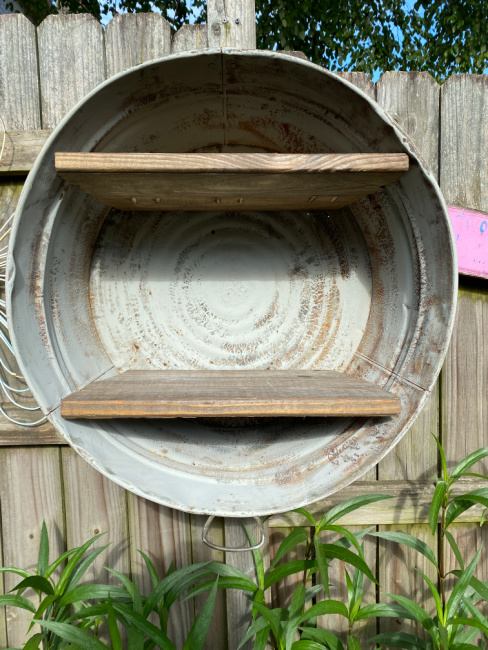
<point>22,424</point>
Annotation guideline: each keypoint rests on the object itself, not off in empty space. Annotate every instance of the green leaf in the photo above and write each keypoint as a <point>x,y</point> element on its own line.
<point>291,541</point>
<point>43,606</point>
<point>463,646</point>
<point>257,626</point>
<point>156,635</point>
<point>440,491</point>
<point>325,607</point>
<point>34,641</point>
<point>353,643</point>
<point>344,542</point>
<point>296,608</point>
<point>325,637</point>
<point>52,567</point>
<point>305,513</point>
<point>261,640</point>
<point>410,541</point>
<point>272,619</point>
<point>287,569</point>
<point>443,457</point>
<point>465,501</point>
<point>168,583</point>
<point>258,558</point>
<point>345,533</point>
<point>350,505</point>
<point>322,564</point>
<point>112,627</point>
<point>73,635</point>
<point>151,570</point>
<point>81,568</point>
<point>399,640</point>
<point>43,560</point>
<point>124,580</point>
<point>73,561</point>
<point>471,622</point>
<point>378,610</point>
<point>455,548</point>
<point>435,594</point>
<point>13,569</point>
<point>417,612</point>
<point>39,583</point>
<point>303,644</point>
<point>467,462</point>
<point>461,586</point>
<point>224,583</point>
<point>344,555</point>
<point>12,600</point>
<point>87,592</point>
<point>199,631</point>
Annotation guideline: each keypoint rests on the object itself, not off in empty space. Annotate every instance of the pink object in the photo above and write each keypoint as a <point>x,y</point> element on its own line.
<point>471,235</point>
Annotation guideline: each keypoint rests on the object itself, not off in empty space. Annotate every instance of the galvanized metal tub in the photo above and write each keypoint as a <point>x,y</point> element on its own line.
<point>369,290</point>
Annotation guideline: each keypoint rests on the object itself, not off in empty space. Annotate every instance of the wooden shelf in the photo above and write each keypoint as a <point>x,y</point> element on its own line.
<point>229,393</point>
<point>229,181</point>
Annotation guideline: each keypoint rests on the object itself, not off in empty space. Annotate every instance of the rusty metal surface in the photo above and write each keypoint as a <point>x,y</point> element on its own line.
<point>369,290</point>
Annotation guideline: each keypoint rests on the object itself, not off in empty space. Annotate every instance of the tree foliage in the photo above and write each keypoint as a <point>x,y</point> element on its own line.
<point>436,36</point>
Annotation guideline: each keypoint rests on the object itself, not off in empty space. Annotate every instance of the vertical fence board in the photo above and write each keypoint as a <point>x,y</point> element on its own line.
<point>164,535</point>
<point>190,37</point>
<point>131,39</point>
<point>18,73</point>
<point>464,182</point>
<point>3,622</point>
<point>361,81</point>
<point>71,62</point>
<point>30,493</point>
<point>412,99</point>
<point>238,607</point>
<point>95,505</point>
<point>217,636</point>
<point>231,23</point>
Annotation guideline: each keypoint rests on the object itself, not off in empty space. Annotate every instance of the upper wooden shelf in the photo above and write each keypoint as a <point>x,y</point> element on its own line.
<point>229,393</point>
<point>229,181</point>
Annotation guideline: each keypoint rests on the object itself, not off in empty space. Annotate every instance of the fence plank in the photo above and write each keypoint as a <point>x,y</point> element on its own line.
<point>71,62</point>
<point>412,99</point>
<point>134,38</point>
<point>95,505</point>
<point>21,150</point>
<point>231,23</point>
<point>164,535</point>
<point>190,37</point>
<point>3,621</point>
<point>217,636</point>
<point>30,493</point>
<point>238,605</point>
<point>18,73</point>
<point>361,81</point>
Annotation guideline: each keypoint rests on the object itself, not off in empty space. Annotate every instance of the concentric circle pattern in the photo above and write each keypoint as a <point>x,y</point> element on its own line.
<point>230,290</point>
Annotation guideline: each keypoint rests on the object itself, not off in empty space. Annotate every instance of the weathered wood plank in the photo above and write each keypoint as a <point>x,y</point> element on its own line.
<point>164,535</point>
<point>131,39</point>
<point>217,635</point>
<point>30,493</point>
<point>94,505</point>
<point>412,99</point>
<point>21,150</point>
<point>3,621</point>
<point>464,145</point>
<point>230,393</point>
<point>231,23</point>
<point>238,605</point>
<point>411,503</point>
<point>71,62</point>
<point>18,73</point>
<point>190,37</point>
<point>361,81</point>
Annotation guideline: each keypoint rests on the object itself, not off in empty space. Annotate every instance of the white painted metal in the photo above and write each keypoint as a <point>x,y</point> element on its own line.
<point>369,290</point>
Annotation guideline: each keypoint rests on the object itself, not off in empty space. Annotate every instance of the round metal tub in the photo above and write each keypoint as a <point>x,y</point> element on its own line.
<point>368,290</point>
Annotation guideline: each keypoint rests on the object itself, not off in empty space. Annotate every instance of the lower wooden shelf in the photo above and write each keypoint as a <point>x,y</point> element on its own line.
<point>229,393</point>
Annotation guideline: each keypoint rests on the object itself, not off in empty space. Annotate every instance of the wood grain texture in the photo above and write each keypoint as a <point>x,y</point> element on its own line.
<point>164,535</point>
<point>410,505</point>
<point>397,576</point>
<point>18,73</point>
<point>94,505</point>
<point>71,62</point>
<point>464,145</point>
<point>412,100</point>
<point>21,150</point>
<point>131,39</point>
<point>238,604</point>
<point>30,493</point>
<point>361,81</point>
<point>232,393</point>
<point>217,635</point>
<point>231,23</point>
<point>3,621</point>
<point>190,37</point>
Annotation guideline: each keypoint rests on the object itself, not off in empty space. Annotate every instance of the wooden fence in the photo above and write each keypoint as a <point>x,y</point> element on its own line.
<point>43,73</point>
